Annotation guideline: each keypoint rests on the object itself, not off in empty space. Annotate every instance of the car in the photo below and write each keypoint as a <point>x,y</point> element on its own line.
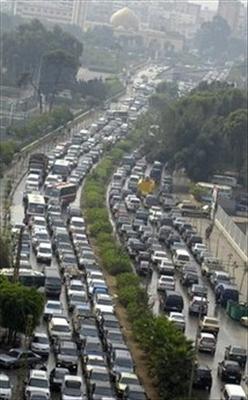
<point>57,377</point>
<point>44,253</point>
<point>67,355</point>
<point>37,382</point>
<point>166,282</point>
<point>40,344</point>
<point>189,278</point>
<point>121,362</point>
<point>210,325</point>
<point>198,306</point>
<point>229,371</point>
<point>5,387</point>
<point>101,391</point>
<point>15,358</point>
<point>206,343</point>
<point>134,392</point>
<point>59,328</point>
<point>123,379</point>
<point>73,388</point>
<point>97,374</point>
<point>202,378</point>
<point>198,290</point>
<point>52,307</point>
<point>178,320</point>
<point>159,256</point>
<point>236,353</point>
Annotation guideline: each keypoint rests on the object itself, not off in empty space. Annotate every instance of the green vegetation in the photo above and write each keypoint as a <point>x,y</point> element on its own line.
<point>169,354</point>
<point>19,307</point>
<point>7,150</point>
<point>28,48</point>
<point>40,125</point>
<point>204,132</point>
<point>214,40</point>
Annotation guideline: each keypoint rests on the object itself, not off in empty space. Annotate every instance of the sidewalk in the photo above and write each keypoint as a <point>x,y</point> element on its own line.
<point>221,248</point>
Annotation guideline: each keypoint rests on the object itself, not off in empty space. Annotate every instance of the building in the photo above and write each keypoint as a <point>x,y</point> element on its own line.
<point>131,34</point>
<point>55,11</point>
<point>230,10</point>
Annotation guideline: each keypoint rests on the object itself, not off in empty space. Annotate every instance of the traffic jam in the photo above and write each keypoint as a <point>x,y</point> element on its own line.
<point>184,280</point>
<point>78,352</point>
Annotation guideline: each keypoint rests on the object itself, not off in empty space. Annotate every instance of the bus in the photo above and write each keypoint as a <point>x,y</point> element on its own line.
<point>224,192</point>
<point>26,277</point>
<point>62,193</point>
<point>226,180</point>
<point>34,205</point>
<point>62,168</point>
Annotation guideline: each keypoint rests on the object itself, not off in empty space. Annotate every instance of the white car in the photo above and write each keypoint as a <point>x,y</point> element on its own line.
<point>5,387</point>
<point>38,382</point>
<point>132,202</point>
<point>44,253</point>
<point>52,180</point>
<point>52,307</point>
<point>40,344</point>
<point>166,282</point>
<point>178,320</point>
<point>77,223</point>
<point>159,256</point>
<point>198,247</point>
<point>72,388</point>
<point>207,343</point>
<point>59,328</point>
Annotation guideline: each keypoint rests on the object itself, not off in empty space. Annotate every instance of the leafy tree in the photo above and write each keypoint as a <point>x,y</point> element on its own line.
<point>58,72</point>
<point>19,306</point>
<point>4,251</point>
<point>212,38</point>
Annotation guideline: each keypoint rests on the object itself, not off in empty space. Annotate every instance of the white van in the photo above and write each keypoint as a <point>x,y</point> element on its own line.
<point>233,392</point>
<point>132,202</point>
<point>181,257</point>
<point>133,182</point>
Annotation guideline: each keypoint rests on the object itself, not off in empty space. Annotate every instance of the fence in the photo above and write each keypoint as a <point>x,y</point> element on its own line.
<point>233,233</point>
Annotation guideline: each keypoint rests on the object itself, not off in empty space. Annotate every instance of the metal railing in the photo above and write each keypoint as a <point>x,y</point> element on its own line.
<point>233,233</point>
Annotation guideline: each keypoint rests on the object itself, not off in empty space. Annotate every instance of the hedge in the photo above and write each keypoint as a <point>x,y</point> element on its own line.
<point>169,354</point>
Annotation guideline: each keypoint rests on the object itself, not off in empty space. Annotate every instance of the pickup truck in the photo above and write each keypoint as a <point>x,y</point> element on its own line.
<point>210,325</point>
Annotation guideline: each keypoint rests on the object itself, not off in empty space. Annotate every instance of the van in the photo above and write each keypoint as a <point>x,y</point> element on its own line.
<point>166,268</point>
<point>133,182</point>
<point>225,292</point>
<point>181,257</point>
<point>172,301</point>
<point>233,392</point>
<point>52,282</point>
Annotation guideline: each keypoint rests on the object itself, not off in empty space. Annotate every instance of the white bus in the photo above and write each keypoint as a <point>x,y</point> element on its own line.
<point>224,192</point>
<point>225,180</point>
<point>62,168</point>
<point>35,205</point>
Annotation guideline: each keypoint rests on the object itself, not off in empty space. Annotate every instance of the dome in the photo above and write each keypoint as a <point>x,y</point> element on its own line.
<point>125,18</point>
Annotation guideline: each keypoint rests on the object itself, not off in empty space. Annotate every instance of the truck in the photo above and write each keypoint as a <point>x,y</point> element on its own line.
<point>38,163</point>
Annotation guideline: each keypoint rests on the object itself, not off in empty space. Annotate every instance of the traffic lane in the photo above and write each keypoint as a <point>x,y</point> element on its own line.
<point>17,209</point>
<point>230,331</point>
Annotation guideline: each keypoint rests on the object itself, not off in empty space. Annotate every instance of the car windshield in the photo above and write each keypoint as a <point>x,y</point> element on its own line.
<point>45,250</point>
<point>136,395</point>
<point>73,385</point>
<point>14,353</point>
<point>54,306</point>
<point>125,362</point>
<point>115,336</point>
<point>69,352</point>
<point>39,383</point>
<point>4,384</point>
<point>100,376</point>
<point>238,350</point>
<point>41,339</point>
<point>103,391</point>
<point>62,328</point>
<point>105,302</point>
<point>128,380</point>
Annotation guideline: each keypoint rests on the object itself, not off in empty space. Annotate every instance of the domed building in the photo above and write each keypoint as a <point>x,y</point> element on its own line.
<point>125,19</point>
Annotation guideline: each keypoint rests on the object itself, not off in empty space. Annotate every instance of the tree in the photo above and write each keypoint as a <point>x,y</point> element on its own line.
<point>19,306</point>
<point>58,72</point>
<point>213,36</point>
<point>4,251</point>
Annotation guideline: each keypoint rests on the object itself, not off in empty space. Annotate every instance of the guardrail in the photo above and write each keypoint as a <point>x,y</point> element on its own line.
<point>233,233</point>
